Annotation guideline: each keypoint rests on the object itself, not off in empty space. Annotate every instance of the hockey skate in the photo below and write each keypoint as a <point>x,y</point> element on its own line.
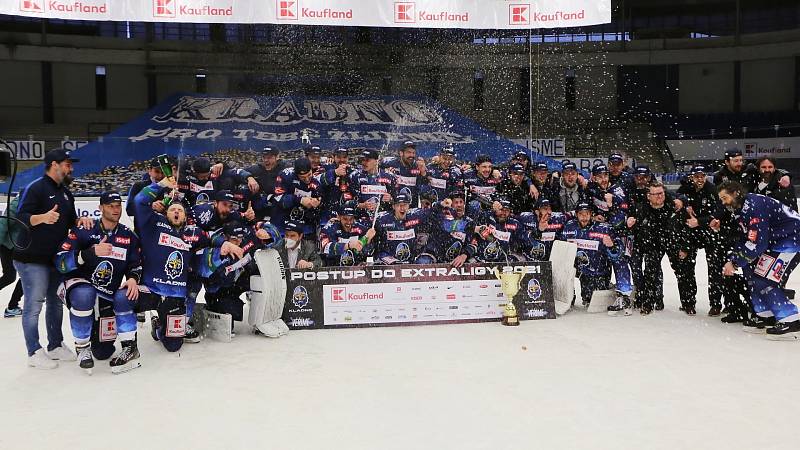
<point>127,360</point>
<point>784,331</point>
<point>154,326</point>
<point>758,324</point>
<point>621,307</point>
<point>85,357</point>
<point>192,336</point>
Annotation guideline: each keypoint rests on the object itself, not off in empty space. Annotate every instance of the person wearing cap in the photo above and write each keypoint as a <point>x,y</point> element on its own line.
<point>769,183</point>
<point>481,183</point>
<point>334,184</point>
<point>598,249</point>
<point>339,240</point>
<point>499,237</point>
<point>371,186</point>
<point>444,175</point>
<point>699,198</point>
<point>396,232</point>
<point>515,189</point>
<point>295,250</point>
<point>658,230</point>
<point>450,239</point>
<point>618,173</point>
<point>154,175</point>
<point>47,209</point>
<point>211,217</point>
<point>543,227</point>
<point>298,196</point>
<point>93,263</point>
<point>521,157</point>
<point>266,173</point>
<point>610,201</point>
<point>410,172</point>
<point>314,155</point>
<point>540,179</point>
<point>199,185</point>
<point>566,190</point>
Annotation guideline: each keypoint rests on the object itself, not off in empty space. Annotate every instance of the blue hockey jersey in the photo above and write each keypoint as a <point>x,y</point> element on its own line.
<point>767,225</point>
<point>540,242</point>
<point>593,257</point>
<point>289,190</point>
<point>332,242</point>
<point>409,180</point>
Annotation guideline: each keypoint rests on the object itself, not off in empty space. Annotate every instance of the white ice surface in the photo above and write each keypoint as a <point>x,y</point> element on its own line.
<point>666,381</point>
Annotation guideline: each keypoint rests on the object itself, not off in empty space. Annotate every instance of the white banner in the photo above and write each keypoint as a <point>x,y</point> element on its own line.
<point>714,150</point>
<point>478,14</point>
<point>554,148</point>
<point>27,150</point>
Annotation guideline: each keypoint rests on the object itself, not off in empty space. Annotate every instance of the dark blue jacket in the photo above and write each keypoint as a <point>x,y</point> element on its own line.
<point>39,197</point>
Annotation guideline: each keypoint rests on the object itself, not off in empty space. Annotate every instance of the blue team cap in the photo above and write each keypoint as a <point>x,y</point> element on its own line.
<point>110,197</point>
<point>402,198</point>
<point>732,153</point>
<point>540,166</point>
<point>340,151</point>
<point>504,203</point>
<point>698,169</point>
<point>313,150</point>
<point>370,154</point>
<point>616,157</point>
<point>234,229</point>
<point>583,206</point>
<point>293,225</point>
<point>448,150</point>
<point>543,202</point>
<point>642,170</point>
<point>601,168</point>
<point>409,144</point>
<point>347,209</point>
<point>224,196</point>
<point>517,168</point>
<point>569,166</point>
<point>269,151</point>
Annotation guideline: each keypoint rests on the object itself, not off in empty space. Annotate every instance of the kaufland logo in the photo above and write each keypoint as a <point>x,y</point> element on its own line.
<point>405,12</point>
<point>338,294</point>
<point>164,8</point>
<point>31,6</point>
<point>287,10</point>
<point>519,14</point>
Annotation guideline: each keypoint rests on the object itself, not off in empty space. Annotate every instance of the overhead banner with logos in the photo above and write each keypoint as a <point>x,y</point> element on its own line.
<point>714,150</point>
<point>478,14</point>
<point>341,297</point>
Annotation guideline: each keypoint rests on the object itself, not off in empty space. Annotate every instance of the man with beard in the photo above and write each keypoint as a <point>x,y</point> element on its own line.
<point>409,171</point>
<point>515,189</point>
<point>47,208</point>
<point>618,173</point>
<point>154,175</point>
<point>444,176</point>
<point>339,240</point>
<point>93,263</point>
<point>199,185</point>
<point>211,217</point>
<point>543,227</point>
<point>334,185</point>
<point>298,196</point>
<point>451,234</point>
<point>265,174</point>
<point>540,182</point>
<point>499,237</point>
<point>314,156</point>
<point>598,249</point>
<point>767,253</point>
<point>657,231</point>
<point>567,191</point>
<point>481,184</point>
<point>371,187</point>
<point>768,183</point>
<point>396,231</point>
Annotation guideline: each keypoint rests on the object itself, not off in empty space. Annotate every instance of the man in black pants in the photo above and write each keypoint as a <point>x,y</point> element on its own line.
<point>6,259</point>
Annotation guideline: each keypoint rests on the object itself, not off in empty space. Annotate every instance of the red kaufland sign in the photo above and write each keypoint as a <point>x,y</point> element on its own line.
<point>475,14</point>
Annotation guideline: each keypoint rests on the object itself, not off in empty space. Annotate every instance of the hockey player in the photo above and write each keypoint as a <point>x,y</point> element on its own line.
<point>199,185</point>
<point>314,156</point>
<point>609,200</point>
<point>168,244</point>
<point>93,263</point>
<point>409,171</point>
<point>339,240</point>
<point>444,175</point>
<point>767,254</point>
<point>543,227</point>
<point>481,184</point>
<point>154,175</point>
<point>265,173</point>
<point>499,237</point>
<point>211,217</point>
<point>516,189</point>
<point>371,187</point>
<point>450,238</point>
<point>598,249</point>
<point>619,174</point>
<point>396,232</point>
<point>298,196</point>
<point>334,185</point>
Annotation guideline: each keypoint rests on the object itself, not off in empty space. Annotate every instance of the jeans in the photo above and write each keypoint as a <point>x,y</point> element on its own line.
<point>39,284</point>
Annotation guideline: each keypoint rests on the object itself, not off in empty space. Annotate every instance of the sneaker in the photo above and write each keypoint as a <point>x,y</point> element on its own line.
<point>154,327</point>
<point>715,311</point>
<point>85,357</point>
<point>39,360</point>
<point>13,312</point>
<point>784,331</point>
<point>127,359</point>
<point>191,336</point>
<point>757,324</point>
<point>61,353</point>
<point>621,306</point>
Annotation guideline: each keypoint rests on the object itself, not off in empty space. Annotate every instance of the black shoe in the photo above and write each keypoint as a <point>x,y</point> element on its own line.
<point>621,306</point>
<point>154,327</point>
<point>789,293</point>
<point>127,358</point>
<point>714,311</point>
<point>689,310</point>
<point>140,317</point>
<point>191,336</point>
<point>645,310</point>
<point>732,318</point>
<point>659,306</point>
<point>784,331</point>
<point>757,324</point>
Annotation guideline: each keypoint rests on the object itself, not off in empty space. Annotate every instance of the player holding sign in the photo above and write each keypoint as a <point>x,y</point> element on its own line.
<point>93,262</point>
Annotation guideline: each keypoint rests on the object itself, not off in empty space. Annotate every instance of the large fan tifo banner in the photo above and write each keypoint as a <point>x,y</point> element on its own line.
<point>503,14</point>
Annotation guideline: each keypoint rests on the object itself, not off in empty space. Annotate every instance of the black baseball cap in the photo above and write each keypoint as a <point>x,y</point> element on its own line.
<point>616,157</point>
<point>569,166</point>
<point>448,150</point>
<point>370,154</point>
<point>348,209</point>
<point>302,165</point>
<point>642,170</point>
<point>293,225</point>
<point>313,150</point>
<point>409,144</point>
<point>522,154</point>
<point>340,150</point>
<point>201,165</point>
<point>583,206</point>
<point>732,153</point>
<point>543,202</point>
<point>598,169</point>
<point>504,203</point>
<point>456,193</point>
<point>698,169</point>
<point>541,166</point>
<point>58,155</point>
<point>402,198</point>
<point>224,196</point>
<point>517,168</point>
<point>108,198</point>
<point>269,151</point>
<point>235,229</point>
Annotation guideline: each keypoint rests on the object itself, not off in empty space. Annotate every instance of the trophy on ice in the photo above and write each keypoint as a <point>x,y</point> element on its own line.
<point>509,284</point>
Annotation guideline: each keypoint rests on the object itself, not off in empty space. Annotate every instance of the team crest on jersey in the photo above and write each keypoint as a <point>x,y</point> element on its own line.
<point>347,258</point>
<point>174,266</point>
<point>102,274</point>
<point>492,251</point>
<point>534,289</point>
<point>300,297</point>
<point>402,252</point>
<point>582,259</point>
<point>297,213</point>
<point>538,251</point>
<point>453,251</point>
<point>405,190</point>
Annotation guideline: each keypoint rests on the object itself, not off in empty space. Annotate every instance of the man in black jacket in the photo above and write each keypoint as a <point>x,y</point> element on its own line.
<point>769,183</point>
<point>47,208</point>
<point>515,189</point>
<point>265,173</point>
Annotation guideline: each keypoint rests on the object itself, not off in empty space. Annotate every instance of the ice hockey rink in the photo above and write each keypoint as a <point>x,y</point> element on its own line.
<point>582,381</point>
